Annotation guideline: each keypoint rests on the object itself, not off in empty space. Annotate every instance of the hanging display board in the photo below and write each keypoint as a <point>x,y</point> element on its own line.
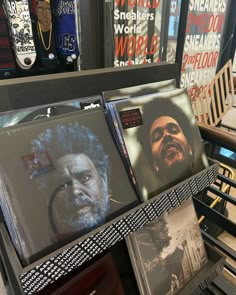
<point>132,31</point>
<point>204,29</point>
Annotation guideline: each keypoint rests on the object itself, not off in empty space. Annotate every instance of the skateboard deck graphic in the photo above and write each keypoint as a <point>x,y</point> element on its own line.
<point>66,26</point>
<point>46,51</point>
<point>7,63</point>
<point>21,31</point>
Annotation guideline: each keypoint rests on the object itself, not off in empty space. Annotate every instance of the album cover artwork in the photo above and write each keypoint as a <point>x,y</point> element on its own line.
<point>139,90</point>
<point>161,138</point>
<point>47,111</point>
<point>60,178</point>
<point>167,252</point>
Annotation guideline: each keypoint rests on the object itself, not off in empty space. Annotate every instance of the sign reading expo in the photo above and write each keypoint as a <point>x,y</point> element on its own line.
<point>202,44</point>
<point>137,25</point>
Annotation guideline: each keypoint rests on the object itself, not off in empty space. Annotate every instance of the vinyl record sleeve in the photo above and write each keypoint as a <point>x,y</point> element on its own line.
<point>167,252</point>
<point>139,90</point>
<point>39,172</point>
<point>113,122</point>
<point>50,110</point>
<point>158,157</point>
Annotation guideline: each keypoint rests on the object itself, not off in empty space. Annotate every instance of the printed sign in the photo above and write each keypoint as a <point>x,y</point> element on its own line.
<point>136,27</point>
<point>202,44</point>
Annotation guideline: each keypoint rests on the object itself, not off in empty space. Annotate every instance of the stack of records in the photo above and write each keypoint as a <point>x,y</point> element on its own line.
<point>60,178</point>
<point>168,252</point>
<point>113,117</point>
<point>159,138</point>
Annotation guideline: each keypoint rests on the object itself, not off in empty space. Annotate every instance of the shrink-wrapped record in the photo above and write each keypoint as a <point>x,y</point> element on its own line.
<point>160,139</point>
<point>61,177</point>
<point>168,252</point>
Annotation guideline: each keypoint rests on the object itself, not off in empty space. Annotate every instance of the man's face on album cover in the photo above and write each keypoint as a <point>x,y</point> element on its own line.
<point>168,143</point>
<point>82,203</point>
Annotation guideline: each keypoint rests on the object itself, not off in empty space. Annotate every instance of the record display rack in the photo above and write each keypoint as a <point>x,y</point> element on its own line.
<point>28,92</point>
<point>45,271</point>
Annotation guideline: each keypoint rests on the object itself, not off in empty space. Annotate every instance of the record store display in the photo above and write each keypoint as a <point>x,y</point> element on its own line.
<point>167,252</point>
<point>159,137</point>
<point>60,178</point>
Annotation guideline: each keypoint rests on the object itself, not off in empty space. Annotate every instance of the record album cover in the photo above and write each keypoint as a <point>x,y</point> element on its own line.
<point>167,252</point>
<point>50,110</point>
<point>161,138</point>
<point>60,178</point>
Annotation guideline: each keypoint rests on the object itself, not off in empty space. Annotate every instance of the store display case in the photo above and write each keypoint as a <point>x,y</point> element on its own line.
<point>34,91</point>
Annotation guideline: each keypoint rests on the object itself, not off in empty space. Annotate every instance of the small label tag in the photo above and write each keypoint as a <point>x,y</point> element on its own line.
<point>131,118</point>
<point>90,105</point>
